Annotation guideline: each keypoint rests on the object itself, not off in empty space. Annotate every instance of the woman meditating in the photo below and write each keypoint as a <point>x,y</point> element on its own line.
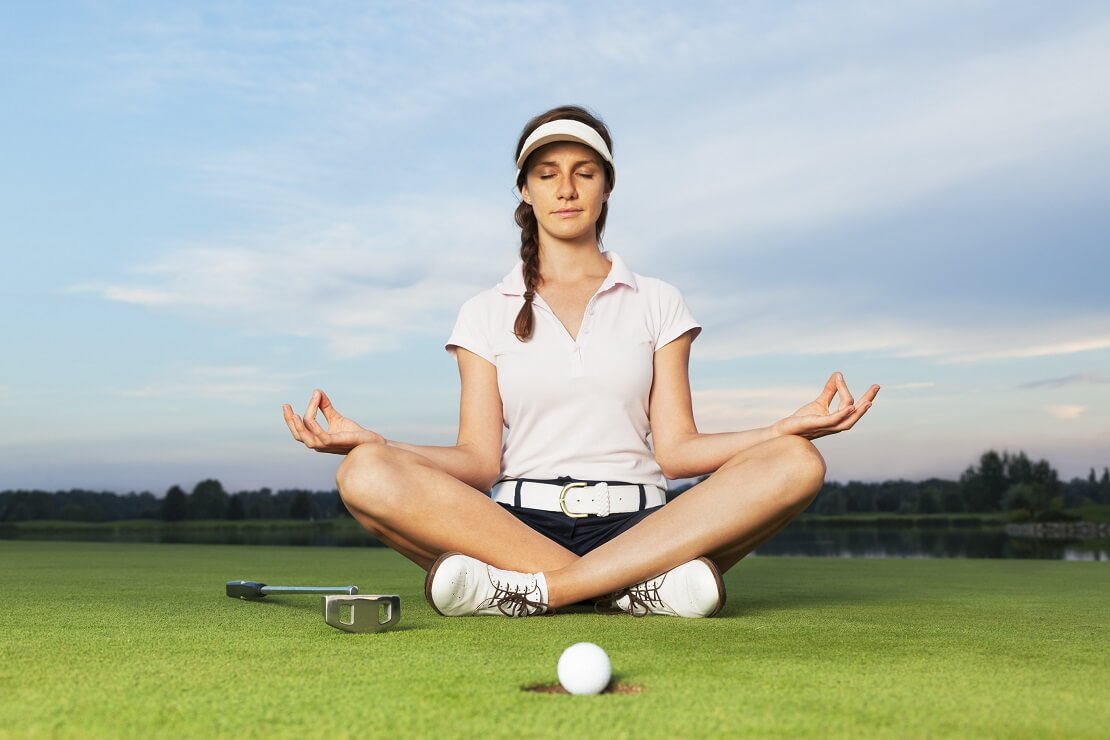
<point>575,410</point>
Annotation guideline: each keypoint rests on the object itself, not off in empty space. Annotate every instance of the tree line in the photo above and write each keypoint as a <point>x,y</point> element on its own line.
<point>1011,483</point>
<point>1005,482</point>
<point>207,500</point>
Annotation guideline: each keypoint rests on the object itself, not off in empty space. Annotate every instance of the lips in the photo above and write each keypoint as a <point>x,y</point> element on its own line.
<point>568,212</point>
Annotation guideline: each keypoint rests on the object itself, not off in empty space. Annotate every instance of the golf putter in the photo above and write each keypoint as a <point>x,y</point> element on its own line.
<point>256,590</point>
<point>365,612</point>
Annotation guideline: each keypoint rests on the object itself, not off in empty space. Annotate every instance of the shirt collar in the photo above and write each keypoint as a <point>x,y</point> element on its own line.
<point>513,283</point>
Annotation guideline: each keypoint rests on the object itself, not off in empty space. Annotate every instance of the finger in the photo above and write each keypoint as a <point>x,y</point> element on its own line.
<point>828,391</point>
<point>310,414</point>
<point>310,440</point>
<point>825,422</point>
<point>842,388</point>
<point>851,421</point>
<point>289,416</point>
<point>327,408</point>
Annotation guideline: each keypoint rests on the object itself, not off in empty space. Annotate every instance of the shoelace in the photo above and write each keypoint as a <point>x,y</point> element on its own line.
<point>514,602</point>
<point>642,598</point>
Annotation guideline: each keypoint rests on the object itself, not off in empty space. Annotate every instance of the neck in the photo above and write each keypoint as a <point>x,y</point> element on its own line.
<point>570,262</point>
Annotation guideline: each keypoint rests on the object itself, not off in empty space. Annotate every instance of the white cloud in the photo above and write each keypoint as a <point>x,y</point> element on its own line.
<point>244,384</point>
<point>911,386</point>
<point>1069,380</point>
<point>783,322</point>
<point>1065,411</point>
<point>378,275</point>
<point>736,409</point>
<point>849,130</point>
<point>850,140</point>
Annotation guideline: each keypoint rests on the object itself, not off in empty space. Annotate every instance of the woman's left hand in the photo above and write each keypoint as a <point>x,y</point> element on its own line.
<point>816,419</point>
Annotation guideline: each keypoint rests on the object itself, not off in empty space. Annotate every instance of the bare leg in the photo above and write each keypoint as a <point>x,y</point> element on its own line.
<point>422,512</point>
<point>724,517</point>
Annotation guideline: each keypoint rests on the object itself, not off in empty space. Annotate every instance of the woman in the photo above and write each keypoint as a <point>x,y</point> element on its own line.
<point>580,359</point>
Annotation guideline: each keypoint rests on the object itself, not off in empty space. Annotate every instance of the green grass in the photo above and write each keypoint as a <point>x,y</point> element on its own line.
<point>104,639</point>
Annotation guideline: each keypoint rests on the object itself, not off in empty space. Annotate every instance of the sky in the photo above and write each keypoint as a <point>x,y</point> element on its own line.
<point>209,209</point>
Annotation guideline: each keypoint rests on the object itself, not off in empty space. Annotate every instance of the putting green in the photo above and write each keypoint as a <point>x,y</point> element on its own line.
<point>137,640</point>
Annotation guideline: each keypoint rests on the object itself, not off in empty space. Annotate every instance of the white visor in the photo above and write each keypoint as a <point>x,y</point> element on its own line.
<point>565,129</point>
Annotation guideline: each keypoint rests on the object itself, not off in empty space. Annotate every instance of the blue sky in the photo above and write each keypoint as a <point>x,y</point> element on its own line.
<point>210,209</point>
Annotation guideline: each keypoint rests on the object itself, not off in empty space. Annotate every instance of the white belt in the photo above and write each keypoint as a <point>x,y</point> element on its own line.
<point>577,498</point>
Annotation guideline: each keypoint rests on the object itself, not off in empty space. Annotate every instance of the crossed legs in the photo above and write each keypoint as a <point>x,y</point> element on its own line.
<point>422,512</point>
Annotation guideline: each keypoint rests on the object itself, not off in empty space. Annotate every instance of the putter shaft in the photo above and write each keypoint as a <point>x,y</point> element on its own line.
<point>256,590</point>
<point>348,590</point>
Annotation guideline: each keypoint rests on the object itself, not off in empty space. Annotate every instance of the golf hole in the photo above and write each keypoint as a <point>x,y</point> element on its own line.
<point>613,688</point>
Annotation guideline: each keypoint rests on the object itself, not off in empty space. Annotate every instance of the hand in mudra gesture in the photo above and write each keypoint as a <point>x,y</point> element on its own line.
<point>342,434</point>
<point>816,419</point>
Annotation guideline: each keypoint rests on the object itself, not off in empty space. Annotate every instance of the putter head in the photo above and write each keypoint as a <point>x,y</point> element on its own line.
<point>245,589</point>
<point>365,612</point>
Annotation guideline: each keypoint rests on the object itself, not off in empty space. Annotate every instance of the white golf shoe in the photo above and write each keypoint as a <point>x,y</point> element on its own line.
<point>458,585</point>
<point>693,589</point>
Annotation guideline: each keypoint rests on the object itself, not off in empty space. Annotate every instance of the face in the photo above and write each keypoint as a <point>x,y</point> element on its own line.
<point>566,187</point>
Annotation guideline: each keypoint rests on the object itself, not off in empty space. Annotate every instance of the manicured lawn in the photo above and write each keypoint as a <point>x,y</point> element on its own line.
<point>102,639</point>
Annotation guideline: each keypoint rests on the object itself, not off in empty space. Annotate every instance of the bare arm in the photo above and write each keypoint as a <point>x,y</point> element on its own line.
<point>475,459</point>
<point>683,452</point>
<point>680,449</point>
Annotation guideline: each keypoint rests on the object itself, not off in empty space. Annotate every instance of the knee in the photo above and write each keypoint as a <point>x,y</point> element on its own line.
<point>804,466</point>
<point>367,479</point>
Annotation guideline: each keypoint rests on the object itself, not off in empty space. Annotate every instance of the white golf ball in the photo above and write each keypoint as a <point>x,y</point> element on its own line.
<point>584,668</point>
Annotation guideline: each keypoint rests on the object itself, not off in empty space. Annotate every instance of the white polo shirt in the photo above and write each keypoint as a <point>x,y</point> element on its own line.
<point>577,407</point>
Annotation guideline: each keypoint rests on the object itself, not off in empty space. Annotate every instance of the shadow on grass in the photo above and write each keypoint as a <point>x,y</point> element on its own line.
<point>615,687</point>
<point>740,602</point>
<point>307,604</point>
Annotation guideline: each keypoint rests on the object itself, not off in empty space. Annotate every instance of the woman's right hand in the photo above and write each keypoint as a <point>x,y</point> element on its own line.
<point>342,434</point>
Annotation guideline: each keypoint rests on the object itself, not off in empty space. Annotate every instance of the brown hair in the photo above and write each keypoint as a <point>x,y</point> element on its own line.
<point>525,217</point>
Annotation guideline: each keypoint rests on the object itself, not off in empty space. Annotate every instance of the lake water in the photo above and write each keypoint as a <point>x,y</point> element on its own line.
<point>801,538</point>
<point>912,542</point>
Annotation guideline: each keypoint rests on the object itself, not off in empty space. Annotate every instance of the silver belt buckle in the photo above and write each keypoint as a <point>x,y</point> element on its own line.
<point>563,499</point>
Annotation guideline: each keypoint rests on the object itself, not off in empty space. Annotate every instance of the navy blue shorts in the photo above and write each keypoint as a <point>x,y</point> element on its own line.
<point>578,535</point>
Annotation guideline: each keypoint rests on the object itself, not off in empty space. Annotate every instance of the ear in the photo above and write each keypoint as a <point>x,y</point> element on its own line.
<point>524,194</point>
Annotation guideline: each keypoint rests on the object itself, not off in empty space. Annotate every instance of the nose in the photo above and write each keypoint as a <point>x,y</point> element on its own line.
<point>567,190</point>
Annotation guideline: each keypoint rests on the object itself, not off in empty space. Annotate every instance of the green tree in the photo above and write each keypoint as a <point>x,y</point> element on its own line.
<point>234,509</point>
<point>1035,499</point>
<point>260,504</point>
<point>983,487</point>
<point>1018,468</point>
<point>208,500</point>
<point>929,501</point>
<point>301,506</point>
<point>175,506</point>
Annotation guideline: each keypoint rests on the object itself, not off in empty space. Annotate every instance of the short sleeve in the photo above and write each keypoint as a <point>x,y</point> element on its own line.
<point>471,330</point>
<point>674,317</point>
